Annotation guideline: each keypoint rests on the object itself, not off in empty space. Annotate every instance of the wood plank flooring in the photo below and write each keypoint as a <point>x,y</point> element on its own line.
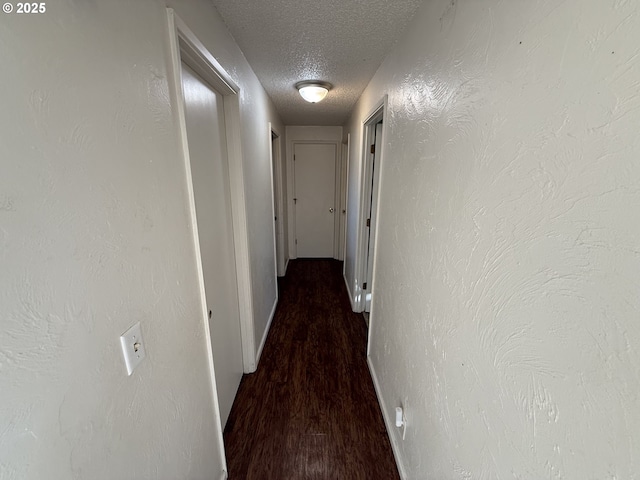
<point>310,410</point>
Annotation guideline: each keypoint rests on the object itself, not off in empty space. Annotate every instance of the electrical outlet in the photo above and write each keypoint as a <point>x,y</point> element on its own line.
<point>401,420</point>
<point>132,347</point>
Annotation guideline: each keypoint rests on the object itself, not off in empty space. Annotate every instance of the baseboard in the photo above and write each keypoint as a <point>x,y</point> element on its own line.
<point>223,475</point>
<point>388,422</point>
<point>351,299</point>
<point>266,331</point>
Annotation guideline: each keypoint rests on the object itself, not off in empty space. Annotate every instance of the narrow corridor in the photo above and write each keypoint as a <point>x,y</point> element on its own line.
<point>310,411</point>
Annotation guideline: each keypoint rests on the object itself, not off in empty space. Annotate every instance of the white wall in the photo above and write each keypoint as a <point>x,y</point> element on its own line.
<point>505,313</point>
<point>94,236</point>
<point>304,134</point>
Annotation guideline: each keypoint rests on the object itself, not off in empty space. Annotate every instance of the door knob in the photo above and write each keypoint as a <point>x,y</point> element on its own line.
<point>331,210</point>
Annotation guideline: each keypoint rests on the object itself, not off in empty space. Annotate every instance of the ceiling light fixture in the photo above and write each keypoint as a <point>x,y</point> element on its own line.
<point>313,91</point>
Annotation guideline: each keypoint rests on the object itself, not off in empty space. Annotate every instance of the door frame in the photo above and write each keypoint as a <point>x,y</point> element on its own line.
<point>293,247</point>
<point>278,194</point>
<point>370,180</point>
<point>344,187</point>
<point>185,46</point>
<point>371,193</point>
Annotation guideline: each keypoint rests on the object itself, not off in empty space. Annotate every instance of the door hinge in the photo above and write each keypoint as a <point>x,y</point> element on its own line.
<point>368,222</point>
<point>296,241</point>
<point>294,158</point>
<point>295,200</point>
<point>364,286</point>
<point>373,148</point>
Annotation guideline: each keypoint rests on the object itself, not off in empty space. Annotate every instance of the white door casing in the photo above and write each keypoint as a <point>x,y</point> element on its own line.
<point>344,168</point>
<point>365,258</point>
<point>315,199</point>
<point>278,189</point>
<point>204,115</point>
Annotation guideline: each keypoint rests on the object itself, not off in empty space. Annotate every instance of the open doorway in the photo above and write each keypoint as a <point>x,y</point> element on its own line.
<point>371,210</point>
<point>342,227</point>
<point>279,201</point>
<point>373,133</point>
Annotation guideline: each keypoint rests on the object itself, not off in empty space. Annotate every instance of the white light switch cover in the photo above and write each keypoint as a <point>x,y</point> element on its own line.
<point>132,347</point>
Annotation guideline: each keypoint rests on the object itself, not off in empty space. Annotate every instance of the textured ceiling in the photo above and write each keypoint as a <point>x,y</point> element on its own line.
<point>339,41</point>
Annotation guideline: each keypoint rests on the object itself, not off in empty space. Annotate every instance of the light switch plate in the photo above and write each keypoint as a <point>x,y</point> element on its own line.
<point>132,347</point>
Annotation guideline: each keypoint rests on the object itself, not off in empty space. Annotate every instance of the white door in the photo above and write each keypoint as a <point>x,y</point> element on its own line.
<point>314,199</point>
<point>372,177</point>
<point>206,138</point>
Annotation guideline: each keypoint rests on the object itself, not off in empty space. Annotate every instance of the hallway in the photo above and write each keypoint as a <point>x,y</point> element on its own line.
<point>506,240</point>
<point>310,410</point>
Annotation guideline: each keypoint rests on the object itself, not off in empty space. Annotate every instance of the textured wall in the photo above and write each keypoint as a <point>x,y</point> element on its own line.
<point>95,236</point>
<point>506,304</point>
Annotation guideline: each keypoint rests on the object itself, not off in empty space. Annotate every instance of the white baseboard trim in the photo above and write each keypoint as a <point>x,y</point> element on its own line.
<point>266,331</point>
<point>388,422</point>
<point>224,475</point>
<point>351,299</point>
<point>286,265</point>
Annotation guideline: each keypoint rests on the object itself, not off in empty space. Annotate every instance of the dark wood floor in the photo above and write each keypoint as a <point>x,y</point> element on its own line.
<point>310,410</point>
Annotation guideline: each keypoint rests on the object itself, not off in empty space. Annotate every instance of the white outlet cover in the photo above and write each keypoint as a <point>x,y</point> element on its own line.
<point>132,347</point>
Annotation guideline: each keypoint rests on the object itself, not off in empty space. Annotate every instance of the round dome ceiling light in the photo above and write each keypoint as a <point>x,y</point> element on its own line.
<point>313,91</point>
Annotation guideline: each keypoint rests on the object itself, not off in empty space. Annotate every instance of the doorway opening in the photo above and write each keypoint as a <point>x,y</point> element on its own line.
<point>278,182</point>
<point>342,227</point>
<point>372,160</point>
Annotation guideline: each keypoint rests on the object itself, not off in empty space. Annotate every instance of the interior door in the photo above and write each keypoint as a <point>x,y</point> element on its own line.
<point>314,199</point>
<point>372,214</point>
<point>206,138</point>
